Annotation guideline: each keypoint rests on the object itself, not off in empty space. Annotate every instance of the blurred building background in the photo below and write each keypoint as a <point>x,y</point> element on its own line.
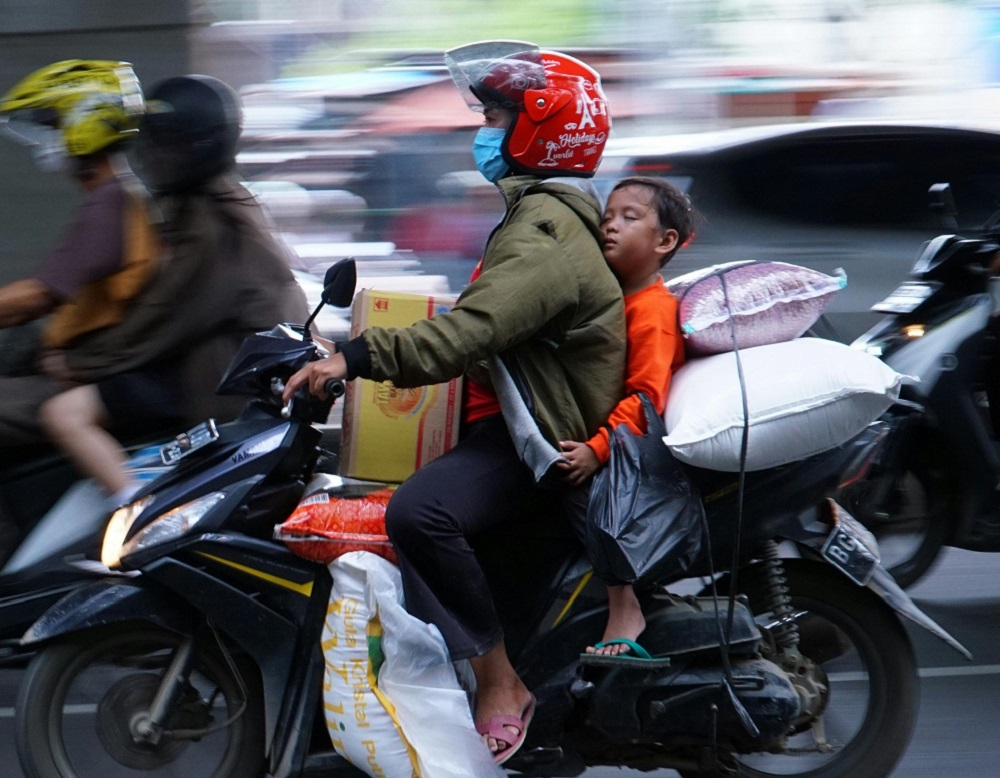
<point>357,141</point>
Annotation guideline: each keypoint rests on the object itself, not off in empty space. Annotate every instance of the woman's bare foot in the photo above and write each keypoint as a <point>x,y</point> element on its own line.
<point>625,621</point>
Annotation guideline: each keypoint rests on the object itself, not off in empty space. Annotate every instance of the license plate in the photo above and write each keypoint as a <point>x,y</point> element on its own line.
<point>906,297</point>
<point>192,440</point>
<point>852,549</point>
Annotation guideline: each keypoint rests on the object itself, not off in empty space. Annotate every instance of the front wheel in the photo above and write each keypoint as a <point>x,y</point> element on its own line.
<point>910,510</point>
<point>82,699</point>
<point>871,677</point>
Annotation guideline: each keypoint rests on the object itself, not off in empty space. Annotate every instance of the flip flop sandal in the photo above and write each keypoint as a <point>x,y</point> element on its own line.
<point>635,657</point>
<point>496,728</point>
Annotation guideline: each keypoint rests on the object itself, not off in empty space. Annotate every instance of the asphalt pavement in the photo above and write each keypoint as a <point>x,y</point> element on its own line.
<point>959,716</point>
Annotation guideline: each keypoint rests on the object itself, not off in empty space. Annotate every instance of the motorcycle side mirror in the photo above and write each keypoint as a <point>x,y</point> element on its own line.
<point>339,282</point>
<point>338,288</point>
<point>943,204</point>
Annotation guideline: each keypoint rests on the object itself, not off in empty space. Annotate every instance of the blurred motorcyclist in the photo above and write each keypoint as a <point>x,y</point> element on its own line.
<point>144,316</point>
<point>78,116</point>
<point>222,277</point>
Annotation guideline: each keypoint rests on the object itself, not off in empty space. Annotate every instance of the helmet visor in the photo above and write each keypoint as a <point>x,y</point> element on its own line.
<point>31,127</point>
<point>496,72</point>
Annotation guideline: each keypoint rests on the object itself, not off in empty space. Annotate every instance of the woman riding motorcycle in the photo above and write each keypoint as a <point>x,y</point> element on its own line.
<point>78,115</point>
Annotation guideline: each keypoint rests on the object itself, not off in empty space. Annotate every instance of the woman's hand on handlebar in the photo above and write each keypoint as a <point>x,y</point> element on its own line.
<point>315,375</point>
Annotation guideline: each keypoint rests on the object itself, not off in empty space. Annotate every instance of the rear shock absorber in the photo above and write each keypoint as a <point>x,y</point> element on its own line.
<point>777,601</point>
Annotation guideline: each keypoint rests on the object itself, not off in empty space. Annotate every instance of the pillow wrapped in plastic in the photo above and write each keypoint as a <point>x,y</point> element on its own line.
<point>804,397</point>
<point>324,526</point>
<point>768,302</point>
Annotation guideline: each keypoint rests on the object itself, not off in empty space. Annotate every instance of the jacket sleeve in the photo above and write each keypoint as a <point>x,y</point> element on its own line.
<point>652,347</point>
<point>527,284</point>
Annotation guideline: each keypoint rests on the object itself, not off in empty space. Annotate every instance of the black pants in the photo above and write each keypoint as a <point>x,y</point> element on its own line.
<point>435,516</point>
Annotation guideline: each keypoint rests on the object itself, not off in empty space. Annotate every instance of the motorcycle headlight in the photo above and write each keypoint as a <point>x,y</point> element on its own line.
<point>118,527</point>
<point>172,524</point>
<point>883,344</point>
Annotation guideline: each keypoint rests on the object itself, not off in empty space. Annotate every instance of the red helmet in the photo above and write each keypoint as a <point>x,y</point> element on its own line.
<point>562,119</point>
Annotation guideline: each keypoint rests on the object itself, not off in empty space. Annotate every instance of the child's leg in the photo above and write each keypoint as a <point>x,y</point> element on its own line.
<point>74,420</point>
<point>625,620</point>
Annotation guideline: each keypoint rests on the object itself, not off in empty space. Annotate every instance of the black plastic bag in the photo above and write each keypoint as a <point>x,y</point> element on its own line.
<point>644,517</point>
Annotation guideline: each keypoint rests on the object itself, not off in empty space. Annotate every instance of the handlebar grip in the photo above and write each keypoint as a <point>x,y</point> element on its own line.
<point>335,388</point>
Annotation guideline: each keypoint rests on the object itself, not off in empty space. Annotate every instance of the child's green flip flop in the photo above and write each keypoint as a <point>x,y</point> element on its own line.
<point>636,656</point>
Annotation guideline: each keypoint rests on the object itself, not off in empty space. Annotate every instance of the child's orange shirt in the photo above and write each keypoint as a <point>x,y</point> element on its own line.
<point>654,349</point>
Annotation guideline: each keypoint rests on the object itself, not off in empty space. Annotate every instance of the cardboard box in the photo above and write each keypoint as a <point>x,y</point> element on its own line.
<point>389,432</point>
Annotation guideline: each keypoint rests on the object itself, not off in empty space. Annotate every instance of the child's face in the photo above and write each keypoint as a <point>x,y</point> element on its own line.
<point>634,241</point>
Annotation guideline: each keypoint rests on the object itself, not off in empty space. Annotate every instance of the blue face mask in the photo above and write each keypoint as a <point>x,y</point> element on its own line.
<point>486,152</point>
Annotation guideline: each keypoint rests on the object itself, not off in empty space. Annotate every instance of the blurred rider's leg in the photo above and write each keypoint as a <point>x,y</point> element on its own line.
<point>75,420</point>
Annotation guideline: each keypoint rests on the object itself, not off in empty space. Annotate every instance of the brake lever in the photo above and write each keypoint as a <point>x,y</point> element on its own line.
<point>334,388</point>
<point>278,389</point>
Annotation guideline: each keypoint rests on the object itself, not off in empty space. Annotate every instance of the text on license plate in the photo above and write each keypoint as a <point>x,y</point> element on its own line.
<point>847,551</point>
<point>192,440</point>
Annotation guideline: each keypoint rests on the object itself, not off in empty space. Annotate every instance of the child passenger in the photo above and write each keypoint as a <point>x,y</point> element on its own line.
<point>646,220</point>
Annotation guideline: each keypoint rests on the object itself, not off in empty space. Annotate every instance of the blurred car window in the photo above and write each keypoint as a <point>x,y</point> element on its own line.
<point>876,181</point>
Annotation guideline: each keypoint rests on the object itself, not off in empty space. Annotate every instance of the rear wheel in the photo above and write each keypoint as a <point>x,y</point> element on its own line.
<point>83,700</point>
<point>866,657</point>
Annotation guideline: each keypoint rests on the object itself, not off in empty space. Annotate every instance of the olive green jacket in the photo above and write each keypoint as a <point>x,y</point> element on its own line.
<point>545,302</point>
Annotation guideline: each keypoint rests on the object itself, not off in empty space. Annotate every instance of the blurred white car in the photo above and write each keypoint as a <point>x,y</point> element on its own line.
<point>849,195</point>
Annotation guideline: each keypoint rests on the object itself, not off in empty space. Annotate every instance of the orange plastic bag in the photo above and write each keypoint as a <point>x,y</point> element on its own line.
<point>323,527</point>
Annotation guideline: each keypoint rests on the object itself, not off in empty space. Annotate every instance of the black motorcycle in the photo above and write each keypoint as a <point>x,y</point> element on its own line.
<point>53,523</point>
<point>936,484</point>
<point>203,657</point>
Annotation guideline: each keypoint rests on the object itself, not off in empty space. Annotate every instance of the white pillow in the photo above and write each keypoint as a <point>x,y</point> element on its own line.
<point>804,396</point>
<point>768,302</point>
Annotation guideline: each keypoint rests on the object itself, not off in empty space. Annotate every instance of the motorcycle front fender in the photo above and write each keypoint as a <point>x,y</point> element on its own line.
<point>813,537</point>
<point>111,601</point>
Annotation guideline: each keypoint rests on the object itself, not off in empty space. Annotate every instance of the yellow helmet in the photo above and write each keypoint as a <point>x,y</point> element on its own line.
<point>91,104</point>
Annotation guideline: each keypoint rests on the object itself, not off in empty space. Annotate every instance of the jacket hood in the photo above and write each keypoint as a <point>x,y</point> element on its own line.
<point>578,194</point>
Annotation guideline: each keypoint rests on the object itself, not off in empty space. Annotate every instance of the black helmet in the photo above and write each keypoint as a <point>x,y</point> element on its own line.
<point>188,134</point>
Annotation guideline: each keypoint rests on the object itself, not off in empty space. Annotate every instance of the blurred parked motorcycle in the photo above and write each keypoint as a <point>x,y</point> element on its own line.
<point>938,482</point>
